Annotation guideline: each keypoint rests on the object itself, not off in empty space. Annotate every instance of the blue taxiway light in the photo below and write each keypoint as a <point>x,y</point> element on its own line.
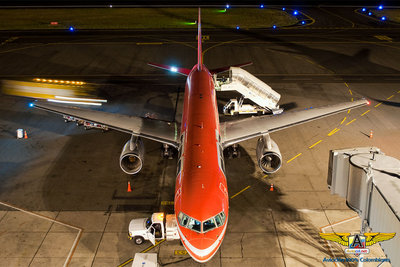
<point>283,8</point>
<point>380,7</point>
<point>71,29</point>
<point>261,6</point>
<point>295,12</point>
<point>303,22</point>
<point>227,6</point>
<point>363,9</point>
<point>369,13</point>
<point>173,69</point>
<point>274,26</point>
<point>383,18</point>
<point>31,105</point>
<point>237,27</point>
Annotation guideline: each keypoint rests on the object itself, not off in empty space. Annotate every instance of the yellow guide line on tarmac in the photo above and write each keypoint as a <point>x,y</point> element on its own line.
<point>166,203</point>
<point>344,119</point>
<point>347,85</point>
<point>350,92</point>
<point>348,111</point>
<point>294,157</point>
<point>365,112</point>
<point>333,132</point>
<point>377,105</point>
<point>315,144</point>
<point>241,191</point>
<point>350,122</point>
<point>352,99</point>
<point>398,92</point>
<point>390,97</point>
<point>125,262</point>
<point>150,43</point>
<point>153,246</point>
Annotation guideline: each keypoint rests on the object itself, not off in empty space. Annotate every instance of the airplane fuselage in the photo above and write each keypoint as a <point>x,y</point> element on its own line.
<point>201,196</point>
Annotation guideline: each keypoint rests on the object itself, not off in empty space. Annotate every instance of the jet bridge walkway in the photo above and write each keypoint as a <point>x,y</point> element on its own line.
<point>370,182</point>
<point>250,87</point>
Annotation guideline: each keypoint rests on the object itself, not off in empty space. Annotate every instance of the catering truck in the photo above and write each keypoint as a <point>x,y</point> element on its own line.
<point>159,226</point>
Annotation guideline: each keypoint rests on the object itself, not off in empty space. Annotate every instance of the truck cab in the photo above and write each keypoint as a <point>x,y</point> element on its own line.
<point>156,227</point>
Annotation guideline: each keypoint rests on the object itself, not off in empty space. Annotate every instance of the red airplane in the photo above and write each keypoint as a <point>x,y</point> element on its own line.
<point>201,195</point>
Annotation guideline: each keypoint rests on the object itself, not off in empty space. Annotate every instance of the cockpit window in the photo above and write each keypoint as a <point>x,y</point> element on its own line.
<point>201,227</point>
<point>222,214</point>
<point>209,225</point>
<point>194,225</point>
<point>183,219</point>
<point>218,220</point>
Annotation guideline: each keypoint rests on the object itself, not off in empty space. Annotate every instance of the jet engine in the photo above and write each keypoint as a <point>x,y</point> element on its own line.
<point>268,155</point>
<point>131,159</point>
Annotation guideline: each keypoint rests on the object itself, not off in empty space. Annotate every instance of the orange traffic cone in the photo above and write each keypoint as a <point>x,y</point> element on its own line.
<point>371,134</point>
<point>25,135</point>
<point>129,187</point>
<point>271,188</point>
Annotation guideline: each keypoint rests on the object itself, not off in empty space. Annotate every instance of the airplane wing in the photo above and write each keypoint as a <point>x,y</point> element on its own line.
<point>161,131</point>
<point>236,131</point>
<point>179,70</point>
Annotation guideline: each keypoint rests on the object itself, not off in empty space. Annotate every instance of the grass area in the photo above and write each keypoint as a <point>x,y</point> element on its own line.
<point>141,18</point>
<point>390,14</point>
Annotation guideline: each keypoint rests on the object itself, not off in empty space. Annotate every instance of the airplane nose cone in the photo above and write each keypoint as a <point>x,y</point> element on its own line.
<point>201,243</point>
<point>202,249</point>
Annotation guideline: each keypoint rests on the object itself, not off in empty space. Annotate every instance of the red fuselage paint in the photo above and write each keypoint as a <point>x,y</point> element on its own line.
<point>201,190</point>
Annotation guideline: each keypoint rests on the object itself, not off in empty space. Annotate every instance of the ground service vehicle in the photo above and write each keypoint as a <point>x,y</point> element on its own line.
<point>159,226</point>
<point>235,107</point>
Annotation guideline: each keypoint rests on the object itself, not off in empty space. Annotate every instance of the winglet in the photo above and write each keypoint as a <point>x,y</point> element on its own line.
<point>199,39</point>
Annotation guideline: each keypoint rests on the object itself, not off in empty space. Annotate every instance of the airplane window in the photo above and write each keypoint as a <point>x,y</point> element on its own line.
<point>222,214</point>
<point>209,225</point>
<point>183,219</point>
<point>218,220</point>
<point>194,225</point>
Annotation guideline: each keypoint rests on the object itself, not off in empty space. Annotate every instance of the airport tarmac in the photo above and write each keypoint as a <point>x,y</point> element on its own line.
<point>63,196</point>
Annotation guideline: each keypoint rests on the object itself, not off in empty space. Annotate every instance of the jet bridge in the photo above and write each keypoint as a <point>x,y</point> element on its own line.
<point>250,87</point>
<point>370,182</point>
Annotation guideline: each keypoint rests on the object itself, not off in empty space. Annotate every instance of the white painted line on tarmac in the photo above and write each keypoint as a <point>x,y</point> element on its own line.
<point>78,236</point>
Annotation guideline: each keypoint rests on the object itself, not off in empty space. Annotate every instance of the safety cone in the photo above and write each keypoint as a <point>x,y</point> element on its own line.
<point>371,134</point>
<point>271,188</point>
<point>129,187</point>
<point>25,135</point>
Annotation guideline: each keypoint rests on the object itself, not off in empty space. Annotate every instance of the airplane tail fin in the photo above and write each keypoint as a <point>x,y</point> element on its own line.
<point>199,39</point>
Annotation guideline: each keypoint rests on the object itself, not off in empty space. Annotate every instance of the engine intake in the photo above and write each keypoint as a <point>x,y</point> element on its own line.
<point>131,159</point>
<point>268,154</point>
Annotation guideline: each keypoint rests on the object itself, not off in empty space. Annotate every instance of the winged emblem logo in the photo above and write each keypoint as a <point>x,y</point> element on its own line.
<point>357,244</point>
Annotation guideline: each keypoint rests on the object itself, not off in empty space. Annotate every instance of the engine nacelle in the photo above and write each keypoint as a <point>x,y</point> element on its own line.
<point>268,155</point>
<point>131,159</point>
